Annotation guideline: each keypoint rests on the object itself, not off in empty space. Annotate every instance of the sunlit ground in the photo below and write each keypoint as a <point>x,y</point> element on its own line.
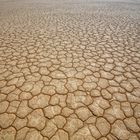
<point>69,69</point>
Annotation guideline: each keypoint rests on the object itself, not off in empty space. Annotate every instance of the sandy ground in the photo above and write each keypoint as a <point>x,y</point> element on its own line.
<point>69,69</point>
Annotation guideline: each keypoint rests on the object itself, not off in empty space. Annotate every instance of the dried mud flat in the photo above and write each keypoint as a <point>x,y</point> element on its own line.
<point>69,70</point>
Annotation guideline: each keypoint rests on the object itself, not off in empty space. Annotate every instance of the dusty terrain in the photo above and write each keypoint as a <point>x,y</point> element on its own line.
<point>69,70</point>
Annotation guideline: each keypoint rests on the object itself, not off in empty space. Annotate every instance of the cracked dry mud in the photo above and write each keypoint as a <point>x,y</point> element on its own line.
<point>69,70</point>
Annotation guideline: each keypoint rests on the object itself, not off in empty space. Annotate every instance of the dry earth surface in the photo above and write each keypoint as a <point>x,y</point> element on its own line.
<point>69,70</point>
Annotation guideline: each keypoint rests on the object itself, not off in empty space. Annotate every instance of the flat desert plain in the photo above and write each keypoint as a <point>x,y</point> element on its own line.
<point>69,69</point>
